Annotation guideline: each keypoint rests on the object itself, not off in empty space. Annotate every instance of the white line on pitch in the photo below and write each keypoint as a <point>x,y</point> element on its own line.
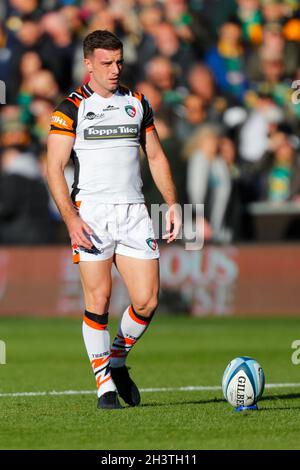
<point>199,388</point>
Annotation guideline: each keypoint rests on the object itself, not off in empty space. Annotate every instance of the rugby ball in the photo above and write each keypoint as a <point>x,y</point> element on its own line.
<point>243,382</point>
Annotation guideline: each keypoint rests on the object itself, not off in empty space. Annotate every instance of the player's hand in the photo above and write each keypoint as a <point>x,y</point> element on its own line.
<point>173,223</point>
<point>79,232</point>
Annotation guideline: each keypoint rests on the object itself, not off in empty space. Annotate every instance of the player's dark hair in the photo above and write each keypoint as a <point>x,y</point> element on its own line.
<point>101,39</point>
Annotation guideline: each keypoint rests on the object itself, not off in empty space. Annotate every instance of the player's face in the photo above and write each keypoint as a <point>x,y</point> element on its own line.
<point>105,68</point>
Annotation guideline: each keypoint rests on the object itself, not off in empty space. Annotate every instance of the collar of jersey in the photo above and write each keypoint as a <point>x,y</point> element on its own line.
<point>89,89</point>
<point>91,92</point>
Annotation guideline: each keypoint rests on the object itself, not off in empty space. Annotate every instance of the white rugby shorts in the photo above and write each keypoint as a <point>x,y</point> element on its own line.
<point>124,229</point>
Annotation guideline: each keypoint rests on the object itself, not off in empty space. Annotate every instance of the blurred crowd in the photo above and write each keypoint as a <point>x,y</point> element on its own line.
<point>223,78</point>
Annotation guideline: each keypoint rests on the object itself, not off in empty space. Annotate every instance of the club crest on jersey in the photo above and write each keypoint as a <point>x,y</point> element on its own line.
<point>130,110</point>
<point>151,242</point>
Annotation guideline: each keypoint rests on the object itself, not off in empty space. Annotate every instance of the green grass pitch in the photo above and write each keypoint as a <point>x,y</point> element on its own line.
<point>48,354</point>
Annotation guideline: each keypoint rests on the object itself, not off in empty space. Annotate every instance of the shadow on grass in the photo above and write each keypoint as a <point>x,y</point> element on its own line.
<point>279,408</point>
<point>283,396</point>
<point>287,396</point>
<point>190,402</point>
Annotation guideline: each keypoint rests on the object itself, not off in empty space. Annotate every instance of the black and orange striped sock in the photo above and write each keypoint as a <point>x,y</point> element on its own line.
<point>97,342</point>
<point>131,328</point>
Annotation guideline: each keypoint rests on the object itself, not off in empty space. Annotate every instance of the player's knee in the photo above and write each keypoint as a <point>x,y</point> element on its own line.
<point>147,306</point>
<point>97,302</point>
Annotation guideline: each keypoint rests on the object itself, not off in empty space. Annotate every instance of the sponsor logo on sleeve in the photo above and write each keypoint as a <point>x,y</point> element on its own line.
<point>61,120</point>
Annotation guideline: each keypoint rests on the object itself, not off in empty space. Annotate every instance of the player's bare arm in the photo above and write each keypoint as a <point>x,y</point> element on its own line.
<point>59,150</point>
<point>162,176</point>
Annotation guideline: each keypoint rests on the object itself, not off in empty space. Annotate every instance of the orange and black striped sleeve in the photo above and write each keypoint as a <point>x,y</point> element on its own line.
<point>64,118</point>
<point>148,118</point>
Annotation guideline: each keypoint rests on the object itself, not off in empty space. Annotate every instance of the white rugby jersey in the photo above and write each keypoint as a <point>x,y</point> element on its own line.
<point>107,135</point>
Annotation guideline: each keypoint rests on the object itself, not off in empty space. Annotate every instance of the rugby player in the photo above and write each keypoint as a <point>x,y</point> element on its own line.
<point>101,126</point>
